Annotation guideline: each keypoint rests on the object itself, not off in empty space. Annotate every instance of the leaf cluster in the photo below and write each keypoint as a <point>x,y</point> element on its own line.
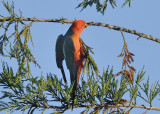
<point>150,92</point>
<point>127,60</point>
<point>17,48</point>
<point>21,94</point>
<point>101,5</point>
<point>89,65</point>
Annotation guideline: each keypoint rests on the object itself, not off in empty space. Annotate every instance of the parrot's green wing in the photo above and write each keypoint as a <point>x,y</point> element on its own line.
<point>68,51</point>
<point>59,54</point>
<point>59,50</point>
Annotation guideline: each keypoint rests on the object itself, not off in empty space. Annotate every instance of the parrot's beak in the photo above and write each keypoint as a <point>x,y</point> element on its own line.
<point>85,25</point>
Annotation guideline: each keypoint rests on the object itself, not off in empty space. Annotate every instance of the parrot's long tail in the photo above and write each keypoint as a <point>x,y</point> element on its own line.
<point>75,87</point>
<point>74,95</point>
<point>63,74</point>
<point>73,76</point>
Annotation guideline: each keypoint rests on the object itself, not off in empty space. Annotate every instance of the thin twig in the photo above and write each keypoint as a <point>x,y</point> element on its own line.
<point>91,24</point>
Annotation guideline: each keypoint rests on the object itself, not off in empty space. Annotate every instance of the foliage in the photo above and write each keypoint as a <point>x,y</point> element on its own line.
<point>41,93</point>
<point>150,93</point>
<point>101,5</point>
<point>18,48</point>
<point>89,64</point>
<point>22,91</point>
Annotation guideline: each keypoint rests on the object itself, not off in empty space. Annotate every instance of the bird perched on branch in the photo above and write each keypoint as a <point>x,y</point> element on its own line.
<point>69,47</point>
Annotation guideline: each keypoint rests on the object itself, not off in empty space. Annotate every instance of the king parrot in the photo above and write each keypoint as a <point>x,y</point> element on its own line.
<point>69,47</point>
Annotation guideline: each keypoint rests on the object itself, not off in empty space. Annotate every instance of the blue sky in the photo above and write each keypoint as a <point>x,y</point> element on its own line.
<point>142,16</point>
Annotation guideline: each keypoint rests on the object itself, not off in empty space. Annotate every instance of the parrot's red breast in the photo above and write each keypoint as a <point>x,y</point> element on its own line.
<point>77,28</point>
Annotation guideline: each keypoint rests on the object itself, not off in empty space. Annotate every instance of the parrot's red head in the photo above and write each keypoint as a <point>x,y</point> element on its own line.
<point>78,26</point>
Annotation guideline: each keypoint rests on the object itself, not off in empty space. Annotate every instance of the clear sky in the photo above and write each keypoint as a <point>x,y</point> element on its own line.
<point>143,16</point>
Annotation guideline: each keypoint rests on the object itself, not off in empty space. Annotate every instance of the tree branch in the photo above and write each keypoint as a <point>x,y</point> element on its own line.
<point>90,24</point>
<point>126,30</point>
<point>102,106</point>
<point>135,106</point>
<point>119,105</point>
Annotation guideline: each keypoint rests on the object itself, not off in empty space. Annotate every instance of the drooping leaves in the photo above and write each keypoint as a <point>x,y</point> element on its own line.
<point>101,5</point>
